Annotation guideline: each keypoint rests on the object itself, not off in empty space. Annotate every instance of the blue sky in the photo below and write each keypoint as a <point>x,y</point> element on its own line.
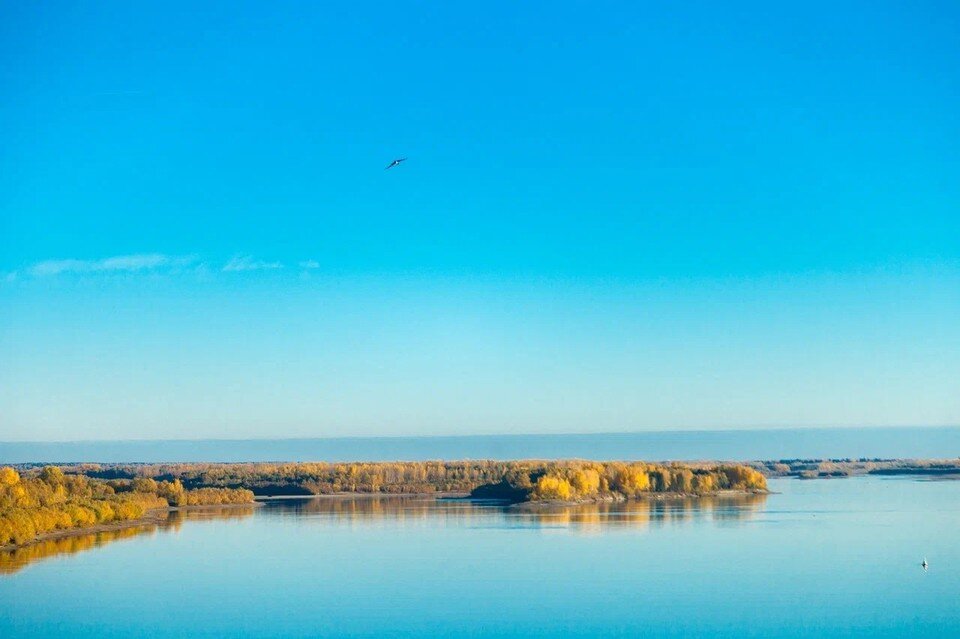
<point>615,217</point>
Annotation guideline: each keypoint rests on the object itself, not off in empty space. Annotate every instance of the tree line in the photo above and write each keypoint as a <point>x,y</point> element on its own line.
<point>590,481</point>
<point>517,480</point>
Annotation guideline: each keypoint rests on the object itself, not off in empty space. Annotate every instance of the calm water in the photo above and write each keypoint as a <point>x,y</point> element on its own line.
<point>823,558</point>
<point>676,445</point>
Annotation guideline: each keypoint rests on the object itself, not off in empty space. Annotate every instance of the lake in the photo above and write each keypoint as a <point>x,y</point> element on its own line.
<point>819,558</point>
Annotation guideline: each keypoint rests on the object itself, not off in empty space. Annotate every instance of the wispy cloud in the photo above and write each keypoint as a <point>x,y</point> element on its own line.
<point>115,264</point>
<point>247,263</point>
<point>310,264</point>
<point>143,263</point>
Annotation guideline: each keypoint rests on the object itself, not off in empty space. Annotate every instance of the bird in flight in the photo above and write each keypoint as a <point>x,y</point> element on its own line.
<point>395,163</point>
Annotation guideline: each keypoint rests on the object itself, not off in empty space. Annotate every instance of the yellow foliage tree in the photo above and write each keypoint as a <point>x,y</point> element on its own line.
<point>550,487</point>
<point>586,482</point>
<point>8,476</point>
<point>632,480</point>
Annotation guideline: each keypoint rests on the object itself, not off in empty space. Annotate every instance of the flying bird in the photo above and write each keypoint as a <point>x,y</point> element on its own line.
<point>924,563</point>
<point>395,163</point>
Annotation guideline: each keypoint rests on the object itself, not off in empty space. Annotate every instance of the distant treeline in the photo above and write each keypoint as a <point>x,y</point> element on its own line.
<point>847,467</point>
<point>48,499</point>
<point>517,480</point>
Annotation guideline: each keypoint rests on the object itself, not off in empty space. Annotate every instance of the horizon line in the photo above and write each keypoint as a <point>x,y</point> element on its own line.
<point>465,436</point>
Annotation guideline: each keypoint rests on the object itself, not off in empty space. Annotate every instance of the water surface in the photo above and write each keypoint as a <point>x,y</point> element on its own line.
<point>821,558</point>
<point>737,445</point>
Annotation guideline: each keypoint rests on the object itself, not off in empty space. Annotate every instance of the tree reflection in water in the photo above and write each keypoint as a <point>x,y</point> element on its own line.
<point>581,518</point>
<point>14,560</point>
<point>722,509</point>
<point>644,513</point>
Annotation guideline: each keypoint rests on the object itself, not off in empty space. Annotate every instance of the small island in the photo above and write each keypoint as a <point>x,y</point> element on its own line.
<point>587,481</point>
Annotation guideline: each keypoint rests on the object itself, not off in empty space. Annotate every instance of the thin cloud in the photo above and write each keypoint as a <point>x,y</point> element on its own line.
<point>247,263</point>
<point>147,263</point>
<point>310,264</point>
<point>115,264</point>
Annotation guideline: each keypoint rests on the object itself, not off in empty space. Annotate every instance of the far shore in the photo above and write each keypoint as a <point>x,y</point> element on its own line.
<point>155,517</point>
<point>439,495</point>
<point>521,484</point>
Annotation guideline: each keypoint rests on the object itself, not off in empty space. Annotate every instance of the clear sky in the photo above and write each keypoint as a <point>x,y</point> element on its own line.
<point>614,217</point>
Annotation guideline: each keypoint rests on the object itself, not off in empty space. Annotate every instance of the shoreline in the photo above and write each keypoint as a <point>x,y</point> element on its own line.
<point>547,503</point>
<point>437,495</point>
<point>155,517</point>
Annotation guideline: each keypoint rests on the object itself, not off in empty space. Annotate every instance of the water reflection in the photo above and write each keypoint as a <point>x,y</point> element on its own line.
<point>359,511</point>
<point>16,559</point>
<point>722,510</point>
<point>643,514</point>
